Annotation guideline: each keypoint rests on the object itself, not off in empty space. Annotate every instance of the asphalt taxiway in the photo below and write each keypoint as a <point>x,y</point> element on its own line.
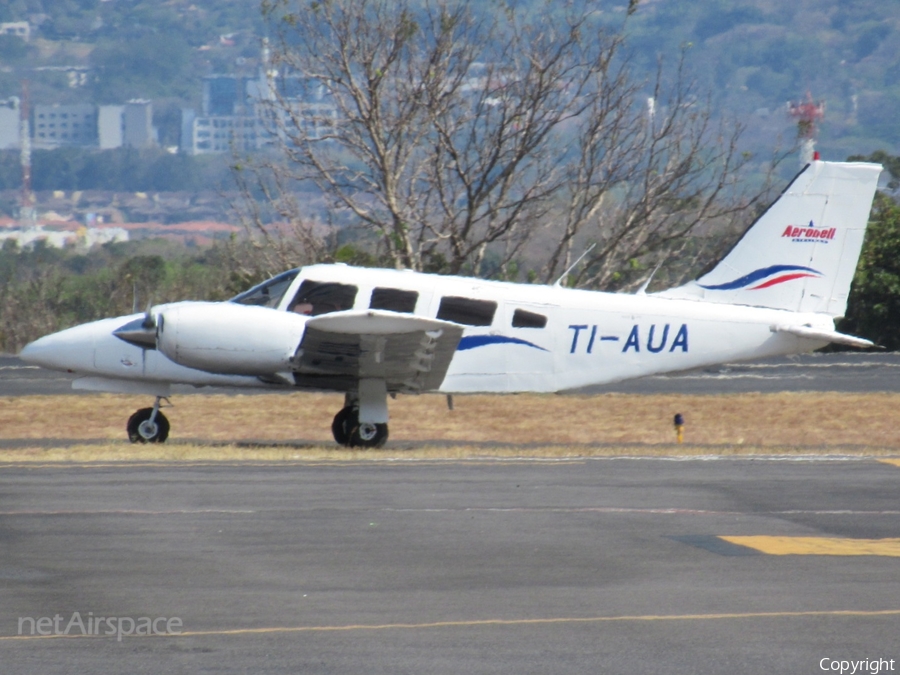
<point>582,566</point>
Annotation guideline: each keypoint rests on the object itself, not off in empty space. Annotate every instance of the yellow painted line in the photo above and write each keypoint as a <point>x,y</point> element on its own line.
<point>487,622</point>
<point>895,462</point>
<point>818,545</point>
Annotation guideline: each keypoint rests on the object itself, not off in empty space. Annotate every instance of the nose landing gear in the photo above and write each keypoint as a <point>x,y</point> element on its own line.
<point>149,425</point>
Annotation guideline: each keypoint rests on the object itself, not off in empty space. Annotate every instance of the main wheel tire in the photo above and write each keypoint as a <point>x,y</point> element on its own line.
<point>342,424</point>
<point>142,430</point>
<point>368,435</point>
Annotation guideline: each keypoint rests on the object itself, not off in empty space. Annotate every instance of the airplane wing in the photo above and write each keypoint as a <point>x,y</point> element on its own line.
<point>410,353</point>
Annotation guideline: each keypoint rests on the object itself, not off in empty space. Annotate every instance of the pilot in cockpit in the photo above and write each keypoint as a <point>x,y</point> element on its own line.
<point>301,306</point>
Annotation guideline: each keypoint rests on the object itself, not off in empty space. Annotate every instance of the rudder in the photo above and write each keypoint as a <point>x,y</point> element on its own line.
<point>801,254</point>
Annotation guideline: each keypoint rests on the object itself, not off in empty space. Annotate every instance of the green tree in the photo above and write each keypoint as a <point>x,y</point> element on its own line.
<point>44,289</point>
<point>890,163</point>
<point>149,66</point>
<point>10,170</point>
<point>56,169</point>
<point>873,309</point>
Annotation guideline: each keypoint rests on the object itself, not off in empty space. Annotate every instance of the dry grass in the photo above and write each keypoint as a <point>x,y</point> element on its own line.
<point>274,427</point>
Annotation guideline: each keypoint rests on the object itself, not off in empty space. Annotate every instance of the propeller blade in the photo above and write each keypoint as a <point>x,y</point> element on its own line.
<point>149,320</point>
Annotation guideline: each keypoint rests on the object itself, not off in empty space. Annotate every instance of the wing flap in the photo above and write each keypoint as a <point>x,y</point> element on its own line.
<point>410,353</point>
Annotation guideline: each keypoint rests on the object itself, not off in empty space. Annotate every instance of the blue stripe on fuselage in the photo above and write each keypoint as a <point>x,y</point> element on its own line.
<point>473,341</point>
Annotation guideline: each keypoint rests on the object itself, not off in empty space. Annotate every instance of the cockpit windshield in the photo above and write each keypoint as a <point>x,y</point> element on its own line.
<point>268,293</point>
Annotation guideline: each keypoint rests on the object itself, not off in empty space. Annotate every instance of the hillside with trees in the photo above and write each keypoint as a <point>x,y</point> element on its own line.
<point>755,55</point>
<point>751,55</point>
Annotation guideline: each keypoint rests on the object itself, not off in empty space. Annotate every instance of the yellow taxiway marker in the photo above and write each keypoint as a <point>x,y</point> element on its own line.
<point>818,545</point>
<point>895,462</point>
<point>476,623</point>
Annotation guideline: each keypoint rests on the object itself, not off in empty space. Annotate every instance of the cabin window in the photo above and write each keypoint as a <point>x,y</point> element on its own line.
<point>525,319</point>
<point>394,300</point>
<point>467,311</point>
<point>268,293</point>
<point>322,297</point>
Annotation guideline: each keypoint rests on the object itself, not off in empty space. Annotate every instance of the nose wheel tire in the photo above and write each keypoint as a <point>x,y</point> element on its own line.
<point>142,430</point>
<point>349,431</point>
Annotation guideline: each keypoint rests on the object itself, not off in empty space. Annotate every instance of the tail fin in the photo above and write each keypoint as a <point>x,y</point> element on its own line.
<point>801,254</point>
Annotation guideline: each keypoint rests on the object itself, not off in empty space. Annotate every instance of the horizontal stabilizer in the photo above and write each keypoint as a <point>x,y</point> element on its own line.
<point>824,335</point>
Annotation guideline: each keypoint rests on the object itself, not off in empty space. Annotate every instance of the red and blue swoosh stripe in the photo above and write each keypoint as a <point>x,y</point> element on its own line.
<point>765,278</point>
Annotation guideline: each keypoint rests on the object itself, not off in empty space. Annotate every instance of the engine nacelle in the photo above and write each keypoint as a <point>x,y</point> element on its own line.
<point>229,338</point>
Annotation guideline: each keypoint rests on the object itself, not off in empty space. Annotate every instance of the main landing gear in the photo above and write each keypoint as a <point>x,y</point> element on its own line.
<point>149,425</point>
<point>348,430</point>
<point>362,422</point>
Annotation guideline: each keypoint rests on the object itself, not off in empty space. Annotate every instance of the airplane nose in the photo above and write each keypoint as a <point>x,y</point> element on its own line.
<point>68,350</point>
<point>49,351</point>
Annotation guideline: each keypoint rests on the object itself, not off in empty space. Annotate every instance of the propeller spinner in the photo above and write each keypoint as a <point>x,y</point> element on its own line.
<point>140,332</point>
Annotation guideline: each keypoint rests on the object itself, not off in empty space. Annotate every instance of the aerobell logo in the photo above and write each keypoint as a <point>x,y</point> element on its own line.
<point>809,233</point>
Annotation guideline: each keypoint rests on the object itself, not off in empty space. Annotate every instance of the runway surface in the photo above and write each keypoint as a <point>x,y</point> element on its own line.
<point>846,371</point>
<point>596,566</point>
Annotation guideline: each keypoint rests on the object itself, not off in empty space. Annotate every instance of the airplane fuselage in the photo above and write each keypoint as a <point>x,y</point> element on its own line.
<point>527,337</point>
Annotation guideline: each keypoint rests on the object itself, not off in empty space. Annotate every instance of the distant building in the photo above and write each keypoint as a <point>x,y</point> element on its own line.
<point>76,76</point>
<point>234,109</point>
<point>9,124</point>
<point>312,120</point>
<point>58,125</point>
<point>225,134</point>
<point>188,115</point>
<point>65,234</point>
<point>110,126</point>
<point>20,29</point>
<point>85,125</point>
<point>137,124</point>
<point>228,95</point>
<point>228,121</point>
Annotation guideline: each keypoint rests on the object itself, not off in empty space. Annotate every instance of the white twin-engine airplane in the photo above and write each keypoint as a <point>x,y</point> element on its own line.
<point>371,333</point>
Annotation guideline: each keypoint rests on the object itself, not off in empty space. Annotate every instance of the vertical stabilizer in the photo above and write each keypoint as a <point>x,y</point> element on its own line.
<point>801,254</point>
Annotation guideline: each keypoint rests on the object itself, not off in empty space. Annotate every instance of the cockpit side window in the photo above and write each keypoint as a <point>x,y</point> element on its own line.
<point>524,319</point>
<point>467,311</point>
<point>322,297</point>
<point>268,293</point>
<point>394,300</point>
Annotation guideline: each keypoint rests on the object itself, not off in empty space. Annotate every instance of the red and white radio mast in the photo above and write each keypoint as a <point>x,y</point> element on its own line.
<point>807,113</point>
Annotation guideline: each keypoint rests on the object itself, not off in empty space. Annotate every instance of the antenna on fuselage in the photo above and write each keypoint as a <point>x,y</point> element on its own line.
<point>590,248</point>
<point>643,289</point>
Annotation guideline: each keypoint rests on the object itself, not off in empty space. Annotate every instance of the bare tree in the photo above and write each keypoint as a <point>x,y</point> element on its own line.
<point>451,130</point>
<point>267,204</point>
<point>646,177</point>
